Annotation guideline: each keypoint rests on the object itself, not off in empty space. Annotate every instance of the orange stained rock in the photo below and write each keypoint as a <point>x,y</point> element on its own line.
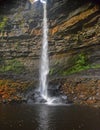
<point>90,101</point>
<point>5,96</point>
<point>54,30</point>
<point>74,20</point>
<point>36,32</point>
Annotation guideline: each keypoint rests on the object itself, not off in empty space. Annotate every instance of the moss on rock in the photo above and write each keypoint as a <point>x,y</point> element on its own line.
<point>12,65</point>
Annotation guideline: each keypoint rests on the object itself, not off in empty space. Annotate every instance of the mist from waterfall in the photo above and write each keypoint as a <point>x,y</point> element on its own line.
<point>44,66</point>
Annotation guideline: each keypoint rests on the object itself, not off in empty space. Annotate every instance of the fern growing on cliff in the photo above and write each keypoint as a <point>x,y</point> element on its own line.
<point>80,64</point>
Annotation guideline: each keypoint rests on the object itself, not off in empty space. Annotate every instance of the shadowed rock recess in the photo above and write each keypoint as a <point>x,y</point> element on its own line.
<point>74,43</point>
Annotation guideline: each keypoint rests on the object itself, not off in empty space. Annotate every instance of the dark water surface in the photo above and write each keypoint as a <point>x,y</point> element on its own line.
<point>43,117</point>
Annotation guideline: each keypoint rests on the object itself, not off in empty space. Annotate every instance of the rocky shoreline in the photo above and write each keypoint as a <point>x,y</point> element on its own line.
<point>81,88</point>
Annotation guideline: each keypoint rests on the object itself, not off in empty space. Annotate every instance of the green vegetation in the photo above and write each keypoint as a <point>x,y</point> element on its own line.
<point>12,65</point>
<point>3,22</point>
<point>95,66</point>
<point>80,63</point>
<point>52,71</point>
<point>79,68</point>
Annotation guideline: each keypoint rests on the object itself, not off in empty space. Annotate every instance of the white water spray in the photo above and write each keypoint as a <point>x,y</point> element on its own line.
<point>44,67</point>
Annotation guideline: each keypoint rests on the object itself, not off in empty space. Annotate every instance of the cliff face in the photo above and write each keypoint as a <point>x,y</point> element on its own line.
<point>74,36</point>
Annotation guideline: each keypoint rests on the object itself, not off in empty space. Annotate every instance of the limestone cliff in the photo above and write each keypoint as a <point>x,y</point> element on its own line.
<point>74,36</point>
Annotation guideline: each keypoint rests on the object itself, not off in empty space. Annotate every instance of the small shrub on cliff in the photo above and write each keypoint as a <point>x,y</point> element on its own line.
<point>80,63</point>
<point>3,22</point>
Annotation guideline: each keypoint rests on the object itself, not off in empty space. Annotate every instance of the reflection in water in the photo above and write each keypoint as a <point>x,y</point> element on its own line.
<point>44,117</point>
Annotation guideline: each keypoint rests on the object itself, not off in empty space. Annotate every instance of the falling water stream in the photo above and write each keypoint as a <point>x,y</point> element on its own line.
<point>44,61</point>
<point>44,66</point>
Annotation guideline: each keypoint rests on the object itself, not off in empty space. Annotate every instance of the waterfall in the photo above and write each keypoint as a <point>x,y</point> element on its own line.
<point>44,66</point>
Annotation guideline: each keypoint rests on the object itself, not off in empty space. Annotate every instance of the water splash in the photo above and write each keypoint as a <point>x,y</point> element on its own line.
<point>44,68</point>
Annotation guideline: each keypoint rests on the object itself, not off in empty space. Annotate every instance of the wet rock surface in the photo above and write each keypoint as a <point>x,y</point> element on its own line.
<point>55,96</point>
<point>74,29</point>
<point>12,91</point>
<point>82,88</point>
